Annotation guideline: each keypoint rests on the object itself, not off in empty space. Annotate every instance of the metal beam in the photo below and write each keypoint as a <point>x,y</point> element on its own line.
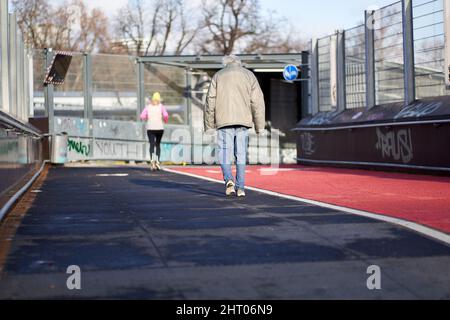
<point>314,76</point>
<point>305,97</point>
<point>26,83</point>
<point>4,56</point>
<point>217,66</point>
<point>333,72</point>
<point>20,77</point>
<point>218,58</point>
<point>141,98</point>
<point>189,110</point>
<point>447,41</point>
<point>141,88</point>
<point>13,62</point>
<point>87,90</point>
<point>88,106</point>
<point>49,93</point>
<point>165,63</point>
<point>408,52</point>
<point>30,83</point>
<point>370,58</point>
<point>15,123</point>
<point>341,72</point>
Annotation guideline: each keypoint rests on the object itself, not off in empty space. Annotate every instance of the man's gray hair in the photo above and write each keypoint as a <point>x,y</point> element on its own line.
<point>230,59</point>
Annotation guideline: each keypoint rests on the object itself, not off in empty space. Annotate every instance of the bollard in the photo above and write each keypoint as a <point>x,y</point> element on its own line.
<point>59,148</point>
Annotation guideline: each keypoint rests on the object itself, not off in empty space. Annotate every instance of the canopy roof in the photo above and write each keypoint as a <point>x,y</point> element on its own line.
<point>251,61</point>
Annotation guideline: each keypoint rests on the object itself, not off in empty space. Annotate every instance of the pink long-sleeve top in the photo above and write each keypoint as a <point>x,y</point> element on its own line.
<point>155,115</point>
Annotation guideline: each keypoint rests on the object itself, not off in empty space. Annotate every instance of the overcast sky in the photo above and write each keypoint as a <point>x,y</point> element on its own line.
<point>313,18</point>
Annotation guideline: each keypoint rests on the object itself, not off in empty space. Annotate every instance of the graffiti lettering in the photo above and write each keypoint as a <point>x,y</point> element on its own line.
<point>323,118</point>
<point>307,141</point>
<point>419,110</point>
<point>395,144</point>
<point>79,147</point>
<point>73,126</point>
<point>116,150</point>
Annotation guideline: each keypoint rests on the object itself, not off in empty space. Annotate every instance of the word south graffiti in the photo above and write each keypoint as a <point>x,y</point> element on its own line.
<point>396,145</point>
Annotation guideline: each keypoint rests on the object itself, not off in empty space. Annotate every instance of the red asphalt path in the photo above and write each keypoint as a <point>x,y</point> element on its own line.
<point>417,198</point>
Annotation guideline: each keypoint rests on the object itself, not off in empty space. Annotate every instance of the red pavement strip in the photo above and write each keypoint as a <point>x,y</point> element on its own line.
<point>421,199</point>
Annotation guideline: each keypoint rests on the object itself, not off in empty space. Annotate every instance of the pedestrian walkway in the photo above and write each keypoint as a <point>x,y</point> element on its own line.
<point>137,234</point>
<point>422,199</point>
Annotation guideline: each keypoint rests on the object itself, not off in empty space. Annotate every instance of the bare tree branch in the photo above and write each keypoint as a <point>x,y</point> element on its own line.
<point>69,26</point>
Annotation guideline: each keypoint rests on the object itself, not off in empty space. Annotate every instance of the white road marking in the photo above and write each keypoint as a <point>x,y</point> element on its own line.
<point>427,231</point>
<point>276,170</point>
<point>213,171</point>
<point>113,175</point>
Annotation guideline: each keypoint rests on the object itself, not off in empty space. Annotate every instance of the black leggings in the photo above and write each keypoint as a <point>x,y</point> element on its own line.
<point>154,138</point>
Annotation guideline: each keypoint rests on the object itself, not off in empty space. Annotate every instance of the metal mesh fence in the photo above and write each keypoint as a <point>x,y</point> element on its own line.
<point>429,48</point>
<point>324,46</point>
<point>114,87</point>
<point>170,82</point>
<point>355,67</point>
<point>69,97</point>
<point>389,66</point>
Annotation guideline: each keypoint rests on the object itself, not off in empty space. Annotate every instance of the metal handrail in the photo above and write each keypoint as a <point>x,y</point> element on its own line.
<point>16,124</point>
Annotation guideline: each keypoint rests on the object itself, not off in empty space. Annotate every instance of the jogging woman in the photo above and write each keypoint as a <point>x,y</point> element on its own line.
<point>155,115</point>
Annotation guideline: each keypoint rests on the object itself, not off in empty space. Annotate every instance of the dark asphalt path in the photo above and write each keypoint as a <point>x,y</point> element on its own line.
<point>166,236</point>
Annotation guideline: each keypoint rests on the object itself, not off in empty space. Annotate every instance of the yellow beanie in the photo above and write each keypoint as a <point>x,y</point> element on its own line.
<point>156,96</point>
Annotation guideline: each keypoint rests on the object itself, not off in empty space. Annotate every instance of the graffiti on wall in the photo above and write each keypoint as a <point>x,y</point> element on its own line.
<point>79,147</point>
<point>395,144</point>
<point>307,141</point>
<point>166,151</point>
<point>73,126</point>
<point>123,130</point>
<point>108,149</point>
<point>420,109</point>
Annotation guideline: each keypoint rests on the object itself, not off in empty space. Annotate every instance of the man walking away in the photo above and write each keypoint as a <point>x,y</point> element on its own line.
<point>234,104</point>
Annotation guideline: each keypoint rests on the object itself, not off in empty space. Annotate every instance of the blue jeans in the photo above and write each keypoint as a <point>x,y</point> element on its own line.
<point>233,144</point>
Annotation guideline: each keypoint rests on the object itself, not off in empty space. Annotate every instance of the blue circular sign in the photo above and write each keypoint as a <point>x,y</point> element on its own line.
<point>290,72</point>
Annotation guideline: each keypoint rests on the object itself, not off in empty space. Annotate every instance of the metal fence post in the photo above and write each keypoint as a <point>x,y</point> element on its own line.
<point>4,56</point>
<point>49,93</point>
<point>141,88</point>
<point>20,78</point>
<point>314,67</point>
<point>87,75</point>
<point>26,89</point>
<point>141,98</point>
<point>30,83</point>
<point>333,72</point>
<point>87,92</point>
<point>341,72</point>
<point>305,98</point>
<point>13,63</point>
<point>24,81</point>
<point>189,110</point>
<point>447,41</point>
<point>408,52</point>
<point>370,58</point>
